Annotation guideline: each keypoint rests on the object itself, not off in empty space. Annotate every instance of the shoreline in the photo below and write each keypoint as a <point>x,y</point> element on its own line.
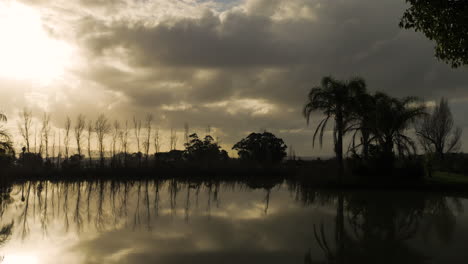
<point>254,177</point>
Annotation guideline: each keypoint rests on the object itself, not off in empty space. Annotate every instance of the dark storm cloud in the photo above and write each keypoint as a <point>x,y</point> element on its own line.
<point>238,38</point>
<point>344,39</point>
<point>245,39</point>
<point>206,42</point>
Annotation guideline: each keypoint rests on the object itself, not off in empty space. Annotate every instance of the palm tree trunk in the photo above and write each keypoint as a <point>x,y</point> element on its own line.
<point>388,156</point>
<point>339,144</point>
<point>365,144</point>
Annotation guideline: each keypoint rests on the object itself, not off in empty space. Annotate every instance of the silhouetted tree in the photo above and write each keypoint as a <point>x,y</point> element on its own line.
<point>73,162</point>
<point>261,147</point>
<point>53,145</point>
<point>147,142</point>
<point>156,141</point>
<point>173,139</point>
<point>35,138</point>
<point>362,112</point>
<point>90,134</point>
<point>124,141</point>
<point>45,132</point>
<point>186,133</point>
<point>66,138</point>
<point>30,160</point>
<point>115,136</point>
<point>334,99</point>
<point>437,132</point>
<point>137,131</point>
<point>204,150</point>
<point>25,126</point>
<point>78,131</point>
<point>7,153</point>
<point>102,128</point>
<point>5,142</point>
<point>392,117</point>
<point>382,121</point>
<point>59,154</point>
<point>443,21</point>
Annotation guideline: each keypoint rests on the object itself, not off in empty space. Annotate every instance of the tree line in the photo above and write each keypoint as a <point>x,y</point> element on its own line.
<point>378,124</point>
<point>111,141</point>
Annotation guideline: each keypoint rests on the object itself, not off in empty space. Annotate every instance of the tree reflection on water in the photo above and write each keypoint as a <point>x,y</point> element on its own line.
<point>376,227</point>
<point>357,227</point>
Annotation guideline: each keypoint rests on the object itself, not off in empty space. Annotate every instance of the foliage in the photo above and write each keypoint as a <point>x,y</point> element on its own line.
<point>73,162</point>
<point>30,160</point>
<point>6,159</point>
<point>171,156</point>
<point>204,150</point>
<point>7,153</point>
<point>392,117</point>
<point>443,21</point>
<point>382,121</point>
<point>261,147</point>
<point>379,120</point>
<point>333,98</point>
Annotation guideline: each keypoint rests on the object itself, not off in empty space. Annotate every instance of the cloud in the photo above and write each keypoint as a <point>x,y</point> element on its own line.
<point>238,65</point>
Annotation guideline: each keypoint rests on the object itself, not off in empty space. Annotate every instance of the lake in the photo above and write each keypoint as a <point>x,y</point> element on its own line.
<point>176,222</point>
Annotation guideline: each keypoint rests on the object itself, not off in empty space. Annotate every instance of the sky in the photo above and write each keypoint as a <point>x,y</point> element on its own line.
<point>236,66</point>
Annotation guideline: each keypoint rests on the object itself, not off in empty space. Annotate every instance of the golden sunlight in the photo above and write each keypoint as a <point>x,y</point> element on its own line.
<point>17,259</point>
<point>27,52</point>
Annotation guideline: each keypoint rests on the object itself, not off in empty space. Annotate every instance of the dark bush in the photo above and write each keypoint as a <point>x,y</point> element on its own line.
<point>30,160</point>
<point>261,147</point>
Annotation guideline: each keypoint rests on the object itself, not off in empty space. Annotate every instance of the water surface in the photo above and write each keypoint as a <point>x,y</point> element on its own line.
<point>175,222</point>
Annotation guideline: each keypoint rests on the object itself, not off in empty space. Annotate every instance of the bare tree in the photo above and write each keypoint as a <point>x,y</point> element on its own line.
<point>66,138</point>
<point>115,137</point>
<point>156,141</point>
<point>53,145</point>
<point>102,128</point>
<point>173,139</point>
<point>137,131</point>
<point>59,154</point>
<point>78,129</point>
<point>35,138</point>
<point>147,142</point>
<point>186,133</point>
<point>437,133</point>
<point>25,126</point>
<point>124,141</point>
<point>45,133</point>
<point>41,141</point>
<point>89,129</point>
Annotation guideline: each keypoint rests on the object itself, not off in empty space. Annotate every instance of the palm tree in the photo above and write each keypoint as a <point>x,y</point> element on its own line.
<point>392,117</point>
<point>363,116</point>
<point>334,99</point>
<point>6,145</point>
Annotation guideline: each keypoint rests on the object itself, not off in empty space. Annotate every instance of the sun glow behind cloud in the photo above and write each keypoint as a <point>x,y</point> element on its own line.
<point>21,259</point>
<point>27,52</point>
